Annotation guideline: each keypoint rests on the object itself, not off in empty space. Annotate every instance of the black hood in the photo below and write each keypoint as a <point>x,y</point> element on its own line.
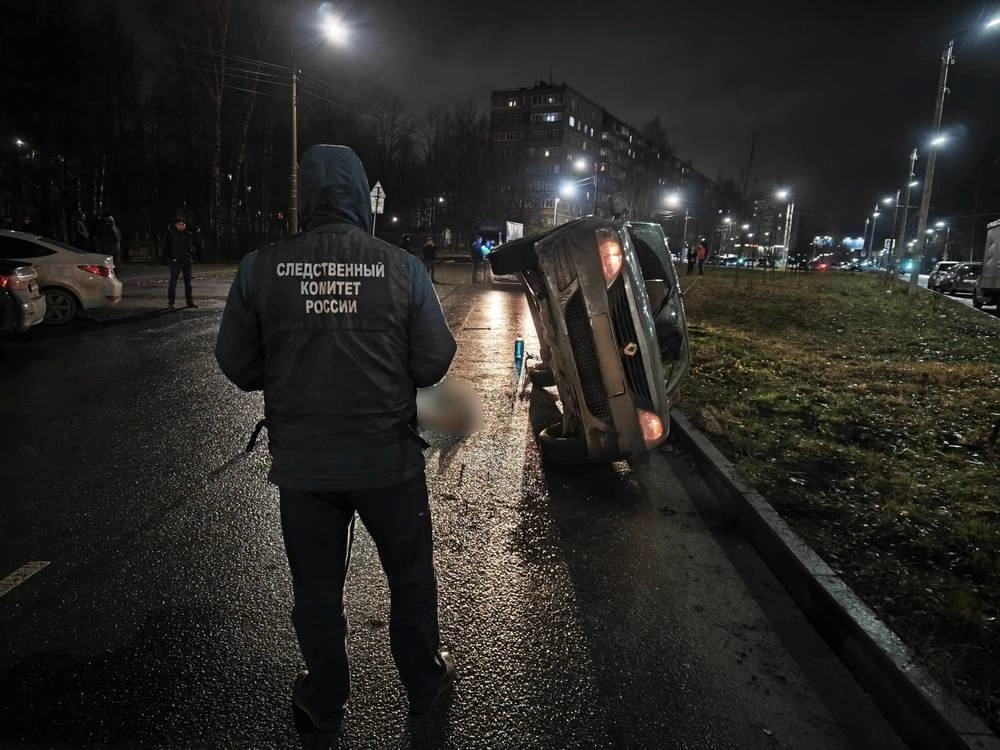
<point>334,188</point>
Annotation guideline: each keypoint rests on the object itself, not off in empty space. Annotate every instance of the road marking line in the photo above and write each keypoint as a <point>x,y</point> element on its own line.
<point>21,575</point>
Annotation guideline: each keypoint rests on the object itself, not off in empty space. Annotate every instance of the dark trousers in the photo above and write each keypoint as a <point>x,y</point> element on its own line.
<point>478,272</point>
<point>691,262</point>
<point>319,529</point>
<point>176,268</point>
<point>701,268</point>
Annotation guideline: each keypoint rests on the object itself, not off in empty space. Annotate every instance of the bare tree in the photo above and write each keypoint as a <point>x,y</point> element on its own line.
<point>207,50</point>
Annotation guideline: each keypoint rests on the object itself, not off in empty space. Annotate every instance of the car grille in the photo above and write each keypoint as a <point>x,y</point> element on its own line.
<point>581,338</point>
<point>624,327</point>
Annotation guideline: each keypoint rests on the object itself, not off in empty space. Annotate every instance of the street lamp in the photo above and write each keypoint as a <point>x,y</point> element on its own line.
<point>947,60</point>
<point>333,30</point>
<point>874,222</point>
<point>568,189</point>
<point>947,236</point>
<point>784,195</point>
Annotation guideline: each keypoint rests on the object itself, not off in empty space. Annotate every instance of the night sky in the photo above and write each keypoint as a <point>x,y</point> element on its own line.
<point>838,94</point>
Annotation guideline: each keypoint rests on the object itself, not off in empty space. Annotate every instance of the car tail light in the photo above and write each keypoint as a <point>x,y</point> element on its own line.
<point>651,426</point>
<point>15,282</point>
<point>609,247</point>
<point>98,270</point>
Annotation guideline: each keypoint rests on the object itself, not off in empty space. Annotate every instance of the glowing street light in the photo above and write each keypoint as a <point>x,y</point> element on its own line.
<point>19,143</point>
<point>939,140</point>
<point>994,23</point>
<point>673,200</point>
<point>335,31</point>
<point>785,195</point>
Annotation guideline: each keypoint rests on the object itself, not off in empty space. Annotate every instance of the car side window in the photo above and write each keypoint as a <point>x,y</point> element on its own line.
<point>14,247</point>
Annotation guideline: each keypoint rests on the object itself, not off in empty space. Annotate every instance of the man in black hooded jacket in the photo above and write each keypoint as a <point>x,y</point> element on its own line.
<point>339,329</point>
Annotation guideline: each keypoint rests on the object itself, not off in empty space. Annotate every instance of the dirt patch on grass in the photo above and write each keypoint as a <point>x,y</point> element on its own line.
<point>865,415</point>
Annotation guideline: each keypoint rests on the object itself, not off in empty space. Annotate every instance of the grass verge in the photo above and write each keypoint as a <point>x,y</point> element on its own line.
<point>865,416</point>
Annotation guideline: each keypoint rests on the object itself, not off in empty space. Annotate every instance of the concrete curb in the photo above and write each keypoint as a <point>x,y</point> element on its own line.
<point>925,713</point>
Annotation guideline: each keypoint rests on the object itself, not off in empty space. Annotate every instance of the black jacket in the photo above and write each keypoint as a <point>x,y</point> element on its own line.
<point>178,246</point>
<point>338,329</point>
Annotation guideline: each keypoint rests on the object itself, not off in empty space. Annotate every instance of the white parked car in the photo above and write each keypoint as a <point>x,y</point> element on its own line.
<point>72,279</point>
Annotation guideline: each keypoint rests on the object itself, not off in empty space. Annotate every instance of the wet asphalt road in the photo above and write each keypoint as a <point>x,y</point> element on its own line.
<point>601,608</point>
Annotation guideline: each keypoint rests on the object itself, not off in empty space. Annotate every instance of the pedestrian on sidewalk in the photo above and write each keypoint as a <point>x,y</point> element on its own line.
<point>339,355</point>
<point>430,257</point>
<point>180,252</point>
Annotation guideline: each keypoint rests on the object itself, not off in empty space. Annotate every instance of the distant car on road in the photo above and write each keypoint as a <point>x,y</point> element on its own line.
<point>71,279</point>
<point>607,308</point>
<point>22,304</point>
<point>939,272</point>
<point>961,279</point>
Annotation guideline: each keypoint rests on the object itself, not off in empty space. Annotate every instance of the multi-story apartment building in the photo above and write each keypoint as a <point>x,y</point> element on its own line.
<point>561,155</point>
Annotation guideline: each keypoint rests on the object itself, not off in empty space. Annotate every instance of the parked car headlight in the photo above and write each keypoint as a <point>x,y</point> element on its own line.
<point>651,426</point>
<point>612,256</point>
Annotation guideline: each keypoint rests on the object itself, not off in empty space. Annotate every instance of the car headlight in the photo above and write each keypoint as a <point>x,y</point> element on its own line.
<point>609,247</point>
<point>651,426</point>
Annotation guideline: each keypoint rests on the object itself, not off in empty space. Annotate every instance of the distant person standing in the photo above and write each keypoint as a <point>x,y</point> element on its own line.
<point>692,256</point>
<point>430,253</point>
<point>180,251</point>
<point>81,237</point>
<point>476,255</point>
<point>109,239</point>
<point>405,242</point>
<point>702,254</point>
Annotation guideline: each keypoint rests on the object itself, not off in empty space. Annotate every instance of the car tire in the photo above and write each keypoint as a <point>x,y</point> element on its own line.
<point>542,377</point>
<point>557,449</point>
<point>977,301</point>
<point>61,306</point>
<point>513,258</point>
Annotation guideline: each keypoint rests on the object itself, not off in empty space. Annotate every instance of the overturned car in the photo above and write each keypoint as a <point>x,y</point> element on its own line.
<point>608,311</point>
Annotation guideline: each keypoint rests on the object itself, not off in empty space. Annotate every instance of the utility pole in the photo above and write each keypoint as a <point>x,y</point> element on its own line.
<point>293,172</point>
<point>925,203</point>
<point>901,244</point>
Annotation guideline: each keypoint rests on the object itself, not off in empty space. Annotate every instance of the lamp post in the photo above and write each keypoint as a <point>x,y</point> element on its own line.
<point>335,31</point>
<point>947,60</point>
<point>947,236</point>
<point>789,217</point>
<point>871,245</point>
<point>910,182</point>
<point>555,209</point>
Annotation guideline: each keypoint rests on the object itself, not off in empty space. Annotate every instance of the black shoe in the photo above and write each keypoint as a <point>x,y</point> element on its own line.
<point>191,303</point>
<point>328,721</point>
<point>170,305</point>
<point>419,706</point>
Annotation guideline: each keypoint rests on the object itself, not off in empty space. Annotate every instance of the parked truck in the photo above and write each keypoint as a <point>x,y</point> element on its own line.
<point>987,289</point>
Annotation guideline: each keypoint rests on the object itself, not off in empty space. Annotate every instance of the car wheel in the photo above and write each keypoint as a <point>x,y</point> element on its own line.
<point>60,307</point>
<point>542,377</point>
<point>557,449</point>
<point>977,301</point>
